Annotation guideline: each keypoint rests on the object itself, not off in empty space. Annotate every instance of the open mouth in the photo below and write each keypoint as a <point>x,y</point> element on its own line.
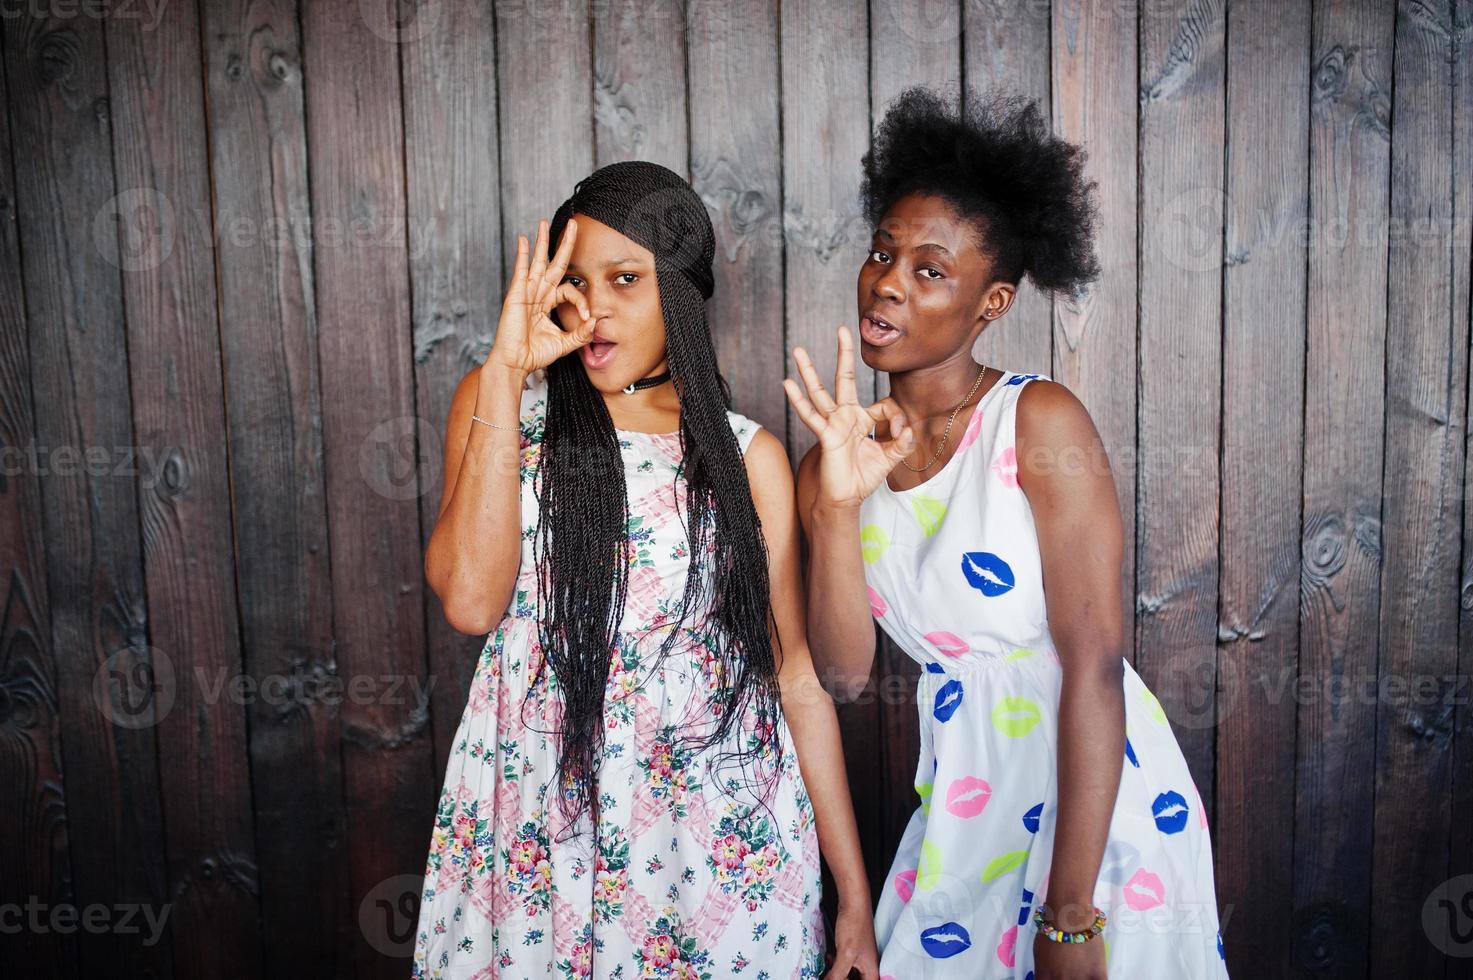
<point>878,332</point>
<point>597,353</point>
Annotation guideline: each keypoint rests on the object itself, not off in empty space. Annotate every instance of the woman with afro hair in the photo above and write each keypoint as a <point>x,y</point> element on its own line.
<point>973,513</point>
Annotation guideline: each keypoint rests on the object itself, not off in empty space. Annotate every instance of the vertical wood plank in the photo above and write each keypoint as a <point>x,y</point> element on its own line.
<point>1094,99</point>
<point>825,77</point>
<point>1460,852</point>
<point>826,116</point>
<point>910,44</point>
<point>736,168</point>
<point>915,43</point>
<point>1181,119</point>
<point>639,82</point>
<point>1426,391</point>
<point>174,368</point>
<point>355,141</point>
<point>453,171</point>
<point>1007,49</point>
<point>34,863</point>
<point>1262,475</point>
<point>66,202</point>
<point>546,126</point>
<point>1340,578</point>
<point>268,332</point>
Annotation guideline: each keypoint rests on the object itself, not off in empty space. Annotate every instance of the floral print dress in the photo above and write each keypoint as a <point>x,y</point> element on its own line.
<point>955,578</point>
<point>685,874</point>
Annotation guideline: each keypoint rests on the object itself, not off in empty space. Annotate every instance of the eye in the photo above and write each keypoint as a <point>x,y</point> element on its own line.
<point>878,256</point>
<point>938,275</point>
<point>577,283</point>
<point>633,277</point>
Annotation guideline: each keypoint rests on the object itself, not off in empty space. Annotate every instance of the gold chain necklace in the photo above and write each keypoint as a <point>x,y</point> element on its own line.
<point>947,431</point>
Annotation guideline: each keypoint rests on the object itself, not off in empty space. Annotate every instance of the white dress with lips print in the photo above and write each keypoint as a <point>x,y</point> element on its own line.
<point>955,578</point>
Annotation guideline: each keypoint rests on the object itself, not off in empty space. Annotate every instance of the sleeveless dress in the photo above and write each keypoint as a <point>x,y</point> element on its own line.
<point>684,876</point>
<point>954,577</point>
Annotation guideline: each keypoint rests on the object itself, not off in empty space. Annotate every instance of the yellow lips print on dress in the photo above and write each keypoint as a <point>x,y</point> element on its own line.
<point>1016,716</point>
<point>872,543</point>
<point>929,512</point>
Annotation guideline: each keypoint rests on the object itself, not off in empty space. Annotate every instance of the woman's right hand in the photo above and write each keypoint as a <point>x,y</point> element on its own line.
<point>851,464</point>
<point>526,337</point>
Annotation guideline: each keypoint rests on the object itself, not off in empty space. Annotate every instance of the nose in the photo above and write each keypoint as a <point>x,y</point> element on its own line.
<point>598,298</point>
<point>887,286</point>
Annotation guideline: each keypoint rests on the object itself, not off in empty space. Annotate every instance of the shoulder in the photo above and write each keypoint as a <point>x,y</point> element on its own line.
<point>1057,444</point>
<point>745,429</point>
<point>768,471</point>
<point>1047,412</point>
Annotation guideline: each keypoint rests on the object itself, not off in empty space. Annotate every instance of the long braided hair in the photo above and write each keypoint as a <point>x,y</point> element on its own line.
<point>584,516</point>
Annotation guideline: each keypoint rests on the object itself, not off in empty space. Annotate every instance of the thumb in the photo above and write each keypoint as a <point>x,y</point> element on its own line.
<point>902,441</point>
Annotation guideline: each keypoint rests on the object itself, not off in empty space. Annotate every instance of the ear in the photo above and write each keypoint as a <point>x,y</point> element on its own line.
<point>996,300</point>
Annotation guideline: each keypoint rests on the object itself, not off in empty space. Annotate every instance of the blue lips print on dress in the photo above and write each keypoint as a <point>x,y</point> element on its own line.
<point>1130,754</point>
<point>948,697</point>
<point>945,940</point>
<point>935,668</point>
<point>1027,909</point>
<point>1030,819</point>
<point>987,573</point>
<point>1170,811</point>
<point>1018,379</point>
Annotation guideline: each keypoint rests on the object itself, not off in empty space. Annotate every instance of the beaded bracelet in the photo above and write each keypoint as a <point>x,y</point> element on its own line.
<point>1056,935</point>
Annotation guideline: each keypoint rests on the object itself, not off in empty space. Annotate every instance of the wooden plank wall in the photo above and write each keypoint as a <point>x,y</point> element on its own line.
<point>250,247</point>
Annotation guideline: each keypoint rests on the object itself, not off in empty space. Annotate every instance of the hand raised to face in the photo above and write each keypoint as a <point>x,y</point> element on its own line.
<point>526,337</point>
<point>852,463</point>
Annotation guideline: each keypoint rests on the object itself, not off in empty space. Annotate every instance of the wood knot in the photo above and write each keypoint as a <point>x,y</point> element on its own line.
<point>1329,75</point>
<point>1317,936</point>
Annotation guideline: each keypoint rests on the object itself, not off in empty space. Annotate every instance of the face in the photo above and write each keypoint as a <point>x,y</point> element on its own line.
<point>617,277</point>
<point>926,289</point>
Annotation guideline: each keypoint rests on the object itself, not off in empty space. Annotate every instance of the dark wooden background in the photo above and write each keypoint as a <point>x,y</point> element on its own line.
<point>249,248</point>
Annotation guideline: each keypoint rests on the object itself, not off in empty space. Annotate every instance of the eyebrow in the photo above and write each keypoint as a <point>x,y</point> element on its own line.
<point>884,233</point>
<point>625,260</point>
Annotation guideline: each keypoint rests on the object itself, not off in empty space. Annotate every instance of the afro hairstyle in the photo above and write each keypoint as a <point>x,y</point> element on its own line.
<point>998,165</point>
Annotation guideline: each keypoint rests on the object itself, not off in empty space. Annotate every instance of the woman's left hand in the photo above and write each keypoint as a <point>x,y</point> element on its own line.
<point>1068,961</point>
<point>854,944</point>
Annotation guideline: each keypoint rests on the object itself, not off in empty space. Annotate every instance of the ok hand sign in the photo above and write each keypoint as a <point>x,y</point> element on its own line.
<point>526,337</point>
<point>851,462</point>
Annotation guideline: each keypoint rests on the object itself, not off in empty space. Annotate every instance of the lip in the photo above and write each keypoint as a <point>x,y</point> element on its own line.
<point>1144,891</point>
<point>599,352</point>
<point>968,796</point>
<point>876,331</point>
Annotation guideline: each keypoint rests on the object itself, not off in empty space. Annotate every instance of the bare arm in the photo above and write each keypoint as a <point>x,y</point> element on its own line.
<point>808,708</point>
<point>474,552</point>
<point>841,628</point>
<point>1064,472</point>
<point>835,477</point>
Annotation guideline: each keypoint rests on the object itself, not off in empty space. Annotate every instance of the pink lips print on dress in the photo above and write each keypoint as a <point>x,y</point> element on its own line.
<point>905,885</point>
<point>948,643</point>
<point>974,429</point>
<point>1006,467</point>
<point>876,603</point>
<point>1144,890</point>
<point>1007,946</point>
<point>968,796</point>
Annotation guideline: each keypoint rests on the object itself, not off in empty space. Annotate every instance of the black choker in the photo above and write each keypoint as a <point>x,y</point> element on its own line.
<point>650,382</point>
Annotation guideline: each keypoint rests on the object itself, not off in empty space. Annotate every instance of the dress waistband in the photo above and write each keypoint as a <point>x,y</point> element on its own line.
<point>1027,658</point>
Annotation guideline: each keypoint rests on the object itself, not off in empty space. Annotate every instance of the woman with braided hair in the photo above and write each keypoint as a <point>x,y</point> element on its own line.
<point>647,764</point>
